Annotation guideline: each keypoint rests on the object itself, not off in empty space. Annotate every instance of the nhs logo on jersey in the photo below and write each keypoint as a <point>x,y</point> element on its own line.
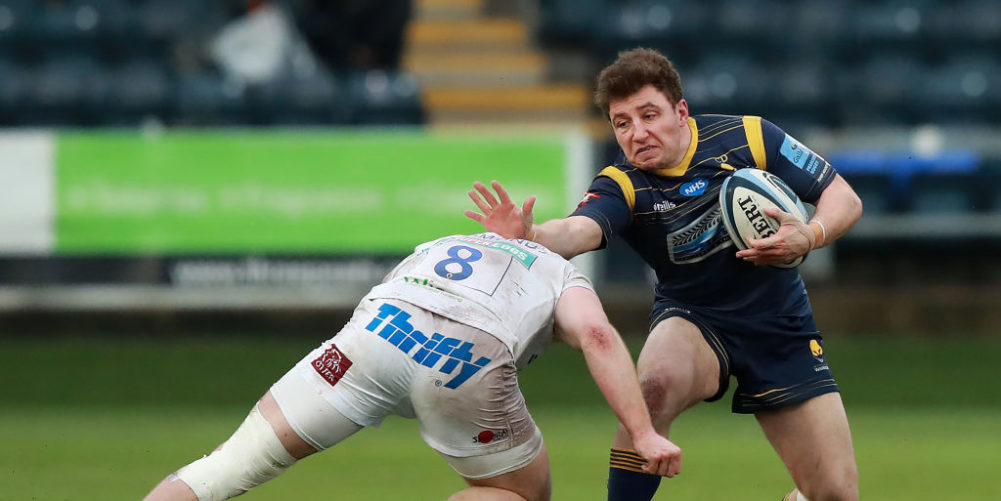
<point>694,187</point>
<point>392,325</point>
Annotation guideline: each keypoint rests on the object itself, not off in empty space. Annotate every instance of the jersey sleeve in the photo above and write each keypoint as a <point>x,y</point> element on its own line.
<point>572,277</point>
<point>806,172</point>
<point>605,203</point>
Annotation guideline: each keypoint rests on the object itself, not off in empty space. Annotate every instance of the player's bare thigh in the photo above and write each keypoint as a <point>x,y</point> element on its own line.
<point>293,443</point>
<point>814,441</point>
<point>677,369</point>
<point>531,483</point>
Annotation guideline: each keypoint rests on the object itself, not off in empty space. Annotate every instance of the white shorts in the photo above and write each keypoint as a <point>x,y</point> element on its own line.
<point>393,358</point>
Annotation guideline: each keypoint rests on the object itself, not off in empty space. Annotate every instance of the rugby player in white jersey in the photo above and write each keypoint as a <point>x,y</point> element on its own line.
<point>440,340</point>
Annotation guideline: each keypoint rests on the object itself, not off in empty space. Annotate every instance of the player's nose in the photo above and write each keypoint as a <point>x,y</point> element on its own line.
<point>640,131</point>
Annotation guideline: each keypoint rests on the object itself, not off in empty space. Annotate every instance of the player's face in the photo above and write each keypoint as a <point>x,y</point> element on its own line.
<point>652,131</point>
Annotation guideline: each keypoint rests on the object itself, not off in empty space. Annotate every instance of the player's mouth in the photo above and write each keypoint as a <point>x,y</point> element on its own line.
<point>645,149</point>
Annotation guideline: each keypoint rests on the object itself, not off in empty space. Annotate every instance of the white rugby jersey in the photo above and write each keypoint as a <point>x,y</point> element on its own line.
<point>506,287</point>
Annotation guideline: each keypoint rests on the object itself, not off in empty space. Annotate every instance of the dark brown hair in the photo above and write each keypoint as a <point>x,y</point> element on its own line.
<point>633,70</point>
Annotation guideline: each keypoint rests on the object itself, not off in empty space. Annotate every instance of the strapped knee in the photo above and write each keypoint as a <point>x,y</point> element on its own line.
<point>252,456</point>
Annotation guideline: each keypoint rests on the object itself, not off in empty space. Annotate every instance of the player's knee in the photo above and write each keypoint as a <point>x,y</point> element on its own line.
<point>667,393</point>
<point>252,456</point>
<point>654,394</point>
<point>836,485</point>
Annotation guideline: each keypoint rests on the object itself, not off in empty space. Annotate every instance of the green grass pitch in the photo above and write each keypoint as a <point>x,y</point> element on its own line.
<point>105,419</point>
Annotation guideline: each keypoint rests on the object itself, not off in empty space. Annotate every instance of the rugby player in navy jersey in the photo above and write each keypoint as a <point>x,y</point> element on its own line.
<point>718,312</point>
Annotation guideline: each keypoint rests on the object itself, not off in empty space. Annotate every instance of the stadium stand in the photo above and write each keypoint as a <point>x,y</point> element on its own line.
<point>121,63</point>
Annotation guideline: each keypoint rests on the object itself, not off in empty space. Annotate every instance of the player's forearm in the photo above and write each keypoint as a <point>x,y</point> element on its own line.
<point>569,236</point>
<point>837,211</point>
<point>612,368</point>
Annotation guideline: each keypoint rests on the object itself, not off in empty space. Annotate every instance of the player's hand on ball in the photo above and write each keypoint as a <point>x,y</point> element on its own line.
<point>662,456</point>
<point>501,216</point>
<point>793,239</point>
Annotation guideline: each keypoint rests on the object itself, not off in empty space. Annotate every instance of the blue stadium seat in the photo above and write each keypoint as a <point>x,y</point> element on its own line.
<point>881,91</point>
<point>13,90</point>
<point>967,23</point>
<point>208,99</point>
<point>991,184</point>
<point>757,22</point>
<point>312,98</point>
<point>944,193</point>
<point>16,20</point>
<point>814,28</point>
<point>890,25</point>
<point>876,191</point>
<point>570,23</point>
<point>881,186</point>
<point>728,83</point>
<point>964,89</point>
<point>175,19</point>
<point>59,89</point>
<point>385,97</point>
<point>676,26</point>
<point>140,90</point>
<point>801,87</point>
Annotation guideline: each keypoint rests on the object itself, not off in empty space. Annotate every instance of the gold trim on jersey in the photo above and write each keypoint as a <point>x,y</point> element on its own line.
<point>756,141</point>
<point>682,167</point>
<point>625,184</point>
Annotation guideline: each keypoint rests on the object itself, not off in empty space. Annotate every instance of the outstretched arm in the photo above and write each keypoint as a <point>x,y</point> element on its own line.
<point>838,208</point>
<point>581,322</point>
<point>567,237</point>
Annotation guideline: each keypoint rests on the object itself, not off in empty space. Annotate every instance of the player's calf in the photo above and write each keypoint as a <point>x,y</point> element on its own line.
<point>252,456</point>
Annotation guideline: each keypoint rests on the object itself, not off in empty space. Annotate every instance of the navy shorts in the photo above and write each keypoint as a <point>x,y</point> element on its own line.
<point>774,368</point>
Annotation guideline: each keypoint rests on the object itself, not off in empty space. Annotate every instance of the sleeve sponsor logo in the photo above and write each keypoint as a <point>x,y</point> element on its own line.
<point>392,324</point>
<point>802,157</point>
<point>587,198</point>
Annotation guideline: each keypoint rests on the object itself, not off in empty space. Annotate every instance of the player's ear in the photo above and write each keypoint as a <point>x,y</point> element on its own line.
<point>682,110</point>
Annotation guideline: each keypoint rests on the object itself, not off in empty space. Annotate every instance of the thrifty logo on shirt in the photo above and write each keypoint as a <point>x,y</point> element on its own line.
<point>392,324</point>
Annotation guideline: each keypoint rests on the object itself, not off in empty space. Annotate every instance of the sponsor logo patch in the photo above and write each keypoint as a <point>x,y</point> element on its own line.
<point>587,198</point>
<point>816,350</point>
<point>694,187</point>
<point>664,206</point>
<point>392,324</point>
<point>332,365</point>
<point>803,157</point>
<point>487,436</point>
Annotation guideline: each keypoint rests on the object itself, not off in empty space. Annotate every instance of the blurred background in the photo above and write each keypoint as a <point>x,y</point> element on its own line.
<point>184,181</point>
<point>174,155</point>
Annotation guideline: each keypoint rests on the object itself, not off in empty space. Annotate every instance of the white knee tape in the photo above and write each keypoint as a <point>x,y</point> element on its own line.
<point>252,456</point>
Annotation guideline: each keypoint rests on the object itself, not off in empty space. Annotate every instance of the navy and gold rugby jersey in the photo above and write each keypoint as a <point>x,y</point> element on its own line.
<point>671,218</point>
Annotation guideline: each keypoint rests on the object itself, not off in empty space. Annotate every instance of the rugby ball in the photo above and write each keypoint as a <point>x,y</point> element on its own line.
<point>743,199</point>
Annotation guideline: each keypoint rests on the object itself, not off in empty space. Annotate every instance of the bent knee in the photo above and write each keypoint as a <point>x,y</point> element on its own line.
<point>837,486</point>
<point>252,455</point>
<point>668,393</point>
<point>654,394</point>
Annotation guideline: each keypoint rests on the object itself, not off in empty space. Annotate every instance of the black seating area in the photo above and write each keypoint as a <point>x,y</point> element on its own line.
<point>835,62</point>
<point>122,63</point>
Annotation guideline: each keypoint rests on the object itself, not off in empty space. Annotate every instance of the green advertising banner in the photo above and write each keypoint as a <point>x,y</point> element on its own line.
<point>287,192</point>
